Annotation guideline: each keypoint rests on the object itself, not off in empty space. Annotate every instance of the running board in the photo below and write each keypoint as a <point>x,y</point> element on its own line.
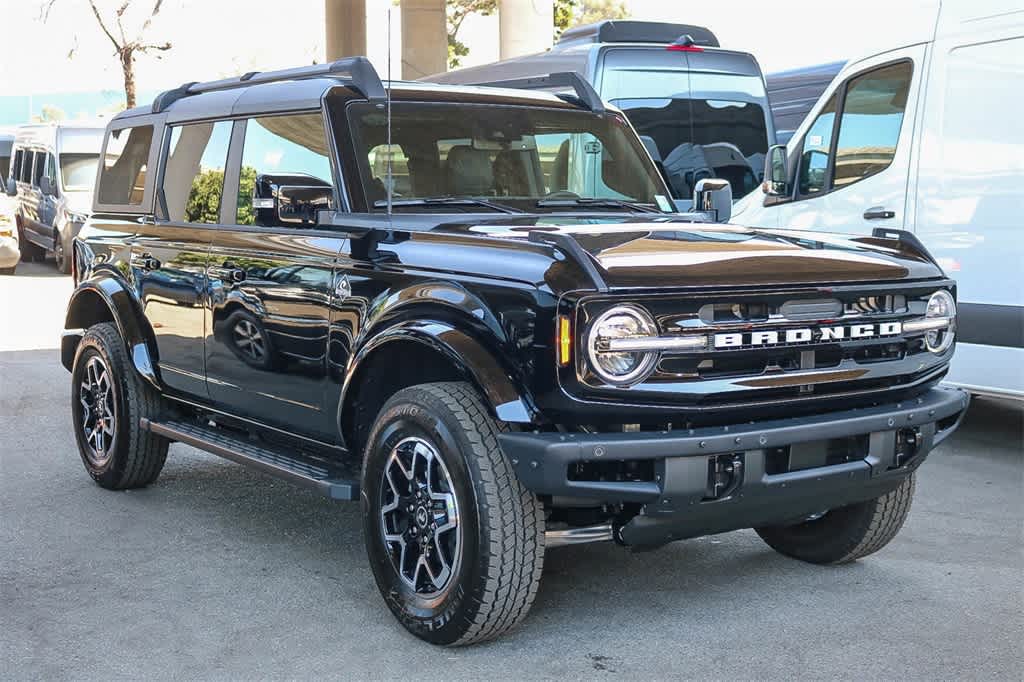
<point>331,479</point>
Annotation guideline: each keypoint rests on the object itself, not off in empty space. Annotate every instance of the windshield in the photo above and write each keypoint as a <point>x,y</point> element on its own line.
<point>694,139</point>
<point>472,157</point>
<point>78,171</point>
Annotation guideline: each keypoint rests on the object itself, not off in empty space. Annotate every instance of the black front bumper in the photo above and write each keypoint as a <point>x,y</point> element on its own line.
<point>675,500</point>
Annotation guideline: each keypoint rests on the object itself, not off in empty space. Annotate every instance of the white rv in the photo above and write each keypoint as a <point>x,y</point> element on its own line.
<point>926,136</point>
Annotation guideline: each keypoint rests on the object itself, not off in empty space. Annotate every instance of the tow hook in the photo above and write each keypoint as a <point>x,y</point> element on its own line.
<point>907,442</point>
<point>725,474</point>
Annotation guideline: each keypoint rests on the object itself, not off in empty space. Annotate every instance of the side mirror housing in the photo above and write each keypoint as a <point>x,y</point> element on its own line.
<point>45,186</point>
<point>776,172</point>
<point>302,203</point>
<point>714,196</point>
<point>11,187</point>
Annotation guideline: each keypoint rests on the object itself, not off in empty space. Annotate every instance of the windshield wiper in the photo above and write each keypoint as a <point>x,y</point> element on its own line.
<point>601,203</point>
<point>446,201</point>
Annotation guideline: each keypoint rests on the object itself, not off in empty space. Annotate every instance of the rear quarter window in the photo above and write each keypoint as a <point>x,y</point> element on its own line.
<point>123,175</point>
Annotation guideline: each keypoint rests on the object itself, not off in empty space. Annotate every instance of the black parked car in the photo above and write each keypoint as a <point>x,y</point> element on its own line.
<point>494,353</point>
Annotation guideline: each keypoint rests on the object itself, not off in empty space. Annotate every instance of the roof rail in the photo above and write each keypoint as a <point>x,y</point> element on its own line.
<point>357,72</point>
<point>628,31</point>
<point>585,92</point>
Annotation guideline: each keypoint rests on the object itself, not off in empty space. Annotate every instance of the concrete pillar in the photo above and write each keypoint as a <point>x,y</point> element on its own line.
<point>345,26</point>
<point>526,26</point>
<point>424,38</point>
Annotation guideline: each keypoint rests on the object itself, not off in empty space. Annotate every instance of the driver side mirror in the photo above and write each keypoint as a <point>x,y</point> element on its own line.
<point>46,186</point>
<point>12,187</point>
<point>776,172</point>
<point>302,203</point>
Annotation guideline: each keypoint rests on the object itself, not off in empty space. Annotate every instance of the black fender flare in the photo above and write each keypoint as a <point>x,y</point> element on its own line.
<point>508,402</point>
<point>124,309</point>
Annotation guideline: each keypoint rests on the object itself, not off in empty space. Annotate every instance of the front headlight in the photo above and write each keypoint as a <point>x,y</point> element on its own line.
<point>617,366</point>
<point>941,305</point>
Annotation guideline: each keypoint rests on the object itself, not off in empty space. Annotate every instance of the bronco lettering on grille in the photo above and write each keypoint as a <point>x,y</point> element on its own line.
<point>853,332</point>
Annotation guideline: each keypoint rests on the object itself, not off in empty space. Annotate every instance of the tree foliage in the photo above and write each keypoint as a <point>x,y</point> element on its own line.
<point>457,12</point>
<point>569,13</point>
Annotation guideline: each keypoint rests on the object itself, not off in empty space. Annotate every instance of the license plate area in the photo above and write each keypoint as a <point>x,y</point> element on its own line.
<point>814,454</point>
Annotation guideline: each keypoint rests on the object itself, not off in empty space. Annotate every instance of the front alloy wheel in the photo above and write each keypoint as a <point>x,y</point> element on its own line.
<point>99,417</point>
<point>420,516</point>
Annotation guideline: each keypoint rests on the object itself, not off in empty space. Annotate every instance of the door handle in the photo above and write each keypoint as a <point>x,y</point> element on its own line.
<point>878,213</point>
<point>145,262</point>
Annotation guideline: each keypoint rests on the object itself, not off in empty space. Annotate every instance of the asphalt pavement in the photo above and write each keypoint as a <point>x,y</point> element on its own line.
<point>219,572</point>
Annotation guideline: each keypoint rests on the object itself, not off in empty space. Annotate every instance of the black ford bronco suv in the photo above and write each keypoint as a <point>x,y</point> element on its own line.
<point>476,311</point>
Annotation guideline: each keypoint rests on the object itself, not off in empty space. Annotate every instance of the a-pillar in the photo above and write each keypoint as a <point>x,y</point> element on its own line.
<point>424,38</point>
<point>526,26</point>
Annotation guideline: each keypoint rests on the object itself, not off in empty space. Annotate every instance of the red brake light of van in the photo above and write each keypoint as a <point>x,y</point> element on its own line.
<point>678,47</point>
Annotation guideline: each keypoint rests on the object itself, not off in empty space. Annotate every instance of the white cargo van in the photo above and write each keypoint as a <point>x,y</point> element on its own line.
<point>929,139</point>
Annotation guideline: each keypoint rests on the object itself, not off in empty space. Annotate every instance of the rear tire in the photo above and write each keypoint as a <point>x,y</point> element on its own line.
<point>845,534</point>
<point>63,251</point>
<point>480,577</point>
<point>108,399</point>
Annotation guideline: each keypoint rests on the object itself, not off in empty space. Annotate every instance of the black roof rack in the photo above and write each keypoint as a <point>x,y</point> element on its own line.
<point>357,72</point>
<point>585,93</point>
<point>614,31</point>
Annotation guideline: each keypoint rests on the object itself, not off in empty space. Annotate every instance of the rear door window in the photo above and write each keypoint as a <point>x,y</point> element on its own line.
<point>123,176</point>
<point>193,179</point>
<point>38,168</point>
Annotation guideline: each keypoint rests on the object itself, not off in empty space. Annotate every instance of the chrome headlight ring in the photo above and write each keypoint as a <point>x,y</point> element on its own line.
<point>621,367</point>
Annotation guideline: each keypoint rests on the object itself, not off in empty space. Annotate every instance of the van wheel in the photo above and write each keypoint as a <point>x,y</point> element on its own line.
<point>108,398</point>
<point>455,541</point>
<point>63,251</point>
<point>845,534</point>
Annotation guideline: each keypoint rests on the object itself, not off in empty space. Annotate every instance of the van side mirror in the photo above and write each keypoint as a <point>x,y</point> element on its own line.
<point>303,203</point>
<point>714,196</point>
<point>776,172</point>
<point>11,187</point>
<point>46,186</point>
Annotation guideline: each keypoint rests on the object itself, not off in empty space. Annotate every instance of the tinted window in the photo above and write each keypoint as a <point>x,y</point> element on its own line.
<point>193,180</point>
<point>281,151</point>
<point>123,180</point>
<point>5,166</point>
<point>51,171</point>
<point>38,167</point>
<point>16,167</point>
<point>814,156</point>
<point>870,126</point>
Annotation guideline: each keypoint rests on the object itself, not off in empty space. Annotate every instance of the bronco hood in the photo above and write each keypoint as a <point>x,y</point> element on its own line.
<point>658,253</point>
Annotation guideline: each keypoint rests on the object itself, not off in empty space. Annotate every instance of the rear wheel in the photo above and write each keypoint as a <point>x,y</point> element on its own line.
<point>456,543</point>
<point>63,251</point>
<point>845,534</point>
<point>107,401</point>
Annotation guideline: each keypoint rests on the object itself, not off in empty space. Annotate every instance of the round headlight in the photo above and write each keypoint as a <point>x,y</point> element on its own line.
<point>621,367</point>
<point>941,304</point>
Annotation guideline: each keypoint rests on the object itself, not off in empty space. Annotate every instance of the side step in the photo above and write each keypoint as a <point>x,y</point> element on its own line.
<point>329,478</point>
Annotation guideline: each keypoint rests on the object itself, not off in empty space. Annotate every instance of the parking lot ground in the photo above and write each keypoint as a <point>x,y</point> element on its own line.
<point>219,572</point>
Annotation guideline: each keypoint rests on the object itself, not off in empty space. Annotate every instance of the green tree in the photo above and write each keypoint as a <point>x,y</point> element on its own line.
<point>246,190</point>
<point>51,113</point>
<point>203,204</point>
<point>570,13</point>
<point>457,12</point>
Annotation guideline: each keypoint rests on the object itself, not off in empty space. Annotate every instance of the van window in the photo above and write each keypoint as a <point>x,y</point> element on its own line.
<point>123,179</point>
<point>78,171</point>
<point>280,151</point>
<point>38,167</point>
<point>5,166</point>
<point>16,167</point>
<point>193,180</point>
<point>815,153</point>
<point>870,126</point>
<point>51,171</point>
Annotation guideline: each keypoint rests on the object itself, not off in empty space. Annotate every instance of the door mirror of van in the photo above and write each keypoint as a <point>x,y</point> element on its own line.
<point>776,172</point>
<point>12,187</point>
<point>45,186</point>
<point>301,204</point>
<point>714,196</point>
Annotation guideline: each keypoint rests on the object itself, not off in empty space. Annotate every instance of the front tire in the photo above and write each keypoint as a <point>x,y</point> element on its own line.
<point>63,251</point>
<point>455,542</point>
<point>845,534</point>
<point>108,398</point>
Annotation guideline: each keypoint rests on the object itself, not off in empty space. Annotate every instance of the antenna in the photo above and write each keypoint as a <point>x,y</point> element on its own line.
<point>387,113</point>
